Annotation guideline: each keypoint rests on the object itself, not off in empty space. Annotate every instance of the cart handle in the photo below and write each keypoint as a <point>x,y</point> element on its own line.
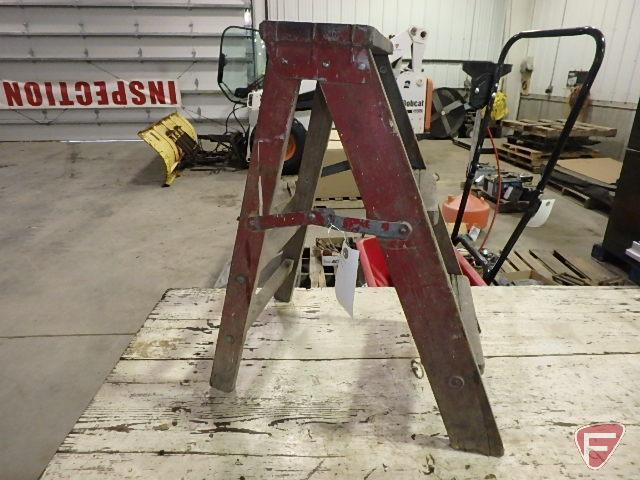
<point>534,202</point>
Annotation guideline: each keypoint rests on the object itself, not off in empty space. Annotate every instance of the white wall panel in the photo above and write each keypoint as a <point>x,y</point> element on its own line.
<point>476,29</point>
<point>619,77</point>
<point>128,39</point>
<point>92,39</point>
<point>116,20</point>
<point>458,29</point>
<point>200,75</point>
<point>115,47</point>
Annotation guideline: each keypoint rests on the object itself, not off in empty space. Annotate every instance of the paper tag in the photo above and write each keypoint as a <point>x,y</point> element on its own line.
<point>346,274</point>
<point>474,233</point>
<point>542,214</point>
<point>330,260</point>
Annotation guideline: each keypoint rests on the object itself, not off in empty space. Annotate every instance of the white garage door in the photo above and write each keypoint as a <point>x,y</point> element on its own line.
<point>50,46</point>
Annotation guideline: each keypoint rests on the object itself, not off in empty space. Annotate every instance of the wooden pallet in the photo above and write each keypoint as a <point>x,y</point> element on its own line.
<point>586,201</point>
<point>561,268</point>
<point>338,202</point>
<point>548,144</point>
<point>311,271</point>
<point>553,128</point>
<point>313,274</point>
<point>546,155</point>
<point>518,157</point>
<point>534,160</point>
<point>321,395</point>
<point>526,152</point>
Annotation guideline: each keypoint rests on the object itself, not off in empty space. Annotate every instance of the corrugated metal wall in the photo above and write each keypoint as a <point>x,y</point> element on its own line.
<point>458,29</point>
<point>92,40</point>
<point>102,40</point>
<point>619,78</point>
<point>616,90</point>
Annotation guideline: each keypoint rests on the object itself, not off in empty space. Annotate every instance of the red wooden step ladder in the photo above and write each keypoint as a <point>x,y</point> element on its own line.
<point>357,91</point>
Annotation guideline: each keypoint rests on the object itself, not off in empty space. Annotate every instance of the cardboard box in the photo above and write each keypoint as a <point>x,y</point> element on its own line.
<point>343,185</point>
<point>339,185</point>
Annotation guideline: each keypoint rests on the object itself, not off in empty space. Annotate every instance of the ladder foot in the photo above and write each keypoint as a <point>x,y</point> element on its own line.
<point>222,382</point>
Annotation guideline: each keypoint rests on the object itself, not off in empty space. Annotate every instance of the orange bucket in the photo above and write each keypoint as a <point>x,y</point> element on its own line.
<point>475,213</point>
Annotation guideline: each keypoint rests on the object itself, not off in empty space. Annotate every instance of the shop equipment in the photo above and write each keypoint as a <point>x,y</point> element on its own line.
<point>486,97</point>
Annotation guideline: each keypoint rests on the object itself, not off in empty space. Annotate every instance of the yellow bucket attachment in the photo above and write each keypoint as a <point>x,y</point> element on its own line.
<point>163,137</point>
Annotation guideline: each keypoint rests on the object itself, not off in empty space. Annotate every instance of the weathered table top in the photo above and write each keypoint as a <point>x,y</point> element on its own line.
<point>322,396</point>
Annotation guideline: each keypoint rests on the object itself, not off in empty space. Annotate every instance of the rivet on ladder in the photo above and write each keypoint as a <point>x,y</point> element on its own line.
<point>456,382</point>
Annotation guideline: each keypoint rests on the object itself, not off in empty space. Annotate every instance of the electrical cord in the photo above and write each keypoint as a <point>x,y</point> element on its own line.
<point>233,111</point>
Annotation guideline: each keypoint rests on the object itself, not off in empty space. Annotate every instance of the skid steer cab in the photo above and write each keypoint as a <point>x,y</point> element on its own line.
<point>241,67</point>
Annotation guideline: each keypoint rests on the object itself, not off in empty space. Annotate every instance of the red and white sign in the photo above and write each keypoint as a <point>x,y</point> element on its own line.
<point>89,94</point>
<point>597,442</point>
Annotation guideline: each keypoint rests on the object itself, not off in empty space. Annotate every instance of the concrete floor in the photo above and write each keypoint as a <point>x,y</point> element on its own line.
<point>90,242</point>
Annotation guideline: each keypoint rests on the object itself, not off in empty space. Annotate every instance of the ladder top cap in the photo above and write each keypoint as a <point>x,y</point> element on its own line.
<point>338,34</point>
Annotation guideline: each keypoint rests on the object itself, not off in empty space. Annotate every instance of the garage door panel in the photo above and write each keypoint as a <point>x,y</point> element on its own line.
<point>88,132</point>
<point>138,4</point>
<point>195,106</point>
<point>115,47</point>
<point>116,20</point>
<point>109,116</point>
<point>190,75</point>
<point>95,40</point>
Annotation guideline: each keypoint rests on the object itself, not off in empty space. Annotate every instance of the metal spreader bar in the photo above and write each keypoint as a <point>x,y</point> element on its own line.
<point>326,217</point>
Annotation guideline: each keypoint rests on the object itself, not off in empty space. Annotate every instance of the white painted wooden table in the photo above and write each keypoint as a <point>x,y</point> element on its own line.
<point>322,396</point>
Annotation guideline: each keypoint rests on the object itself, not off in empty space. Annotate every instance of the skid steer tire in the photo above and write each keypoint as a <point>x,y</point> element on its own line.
<point>293,153</point>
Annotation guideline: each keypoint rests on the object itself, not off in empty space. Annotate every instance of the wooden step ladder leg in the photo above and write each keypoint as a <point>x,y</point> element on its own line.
<point>400,114</point>
<point>311,165</point>
<point>461,286</point>
<point>278,103</point>
<point>382,172</point>
<point>445,246</point>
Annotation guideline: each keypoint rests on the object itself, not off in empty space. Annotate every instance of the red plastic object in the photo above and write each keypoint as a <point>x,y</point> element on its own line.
<point>374,265</point>
<point>475,213</point>
<point>376,273</point>
<point>471,273</point>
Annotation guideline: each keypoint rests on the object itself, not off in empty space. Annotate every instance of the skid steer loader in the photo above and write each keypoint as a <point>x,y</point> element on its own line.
<point>241,66</point>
